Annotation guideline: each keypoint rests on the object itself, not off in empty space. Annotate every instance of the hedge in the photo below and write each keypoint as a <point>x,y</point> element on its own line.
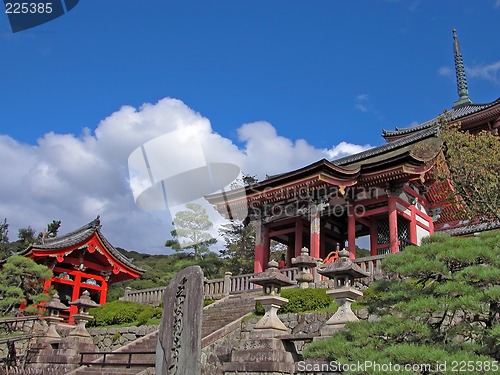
<point>122,312</point>
<point>301,300</point>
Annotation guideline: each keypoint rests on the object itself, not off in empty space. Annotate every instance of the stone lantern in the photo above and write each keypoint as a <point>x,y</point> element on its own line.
<point>54,307</point>
<point>304,262</point>
<point>271,280</point>
<point>84,303</point>
<point>343,272</point>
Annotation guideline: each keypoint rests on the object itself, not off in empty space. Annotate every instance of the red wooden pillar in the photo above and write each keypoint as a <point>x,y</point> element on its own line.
<point>258,262</point>
<point>298,236</point>
<point>315,231</point>
<point>46,286</point>
<point>431,226</point>
<point>351,231</point>
<point>103,292</point>
<point>75,295</point>
<point>289,256</point>
<point>413,225</point>
<point>373,238</point>
<point>393,225</point>
<point>267,247</point>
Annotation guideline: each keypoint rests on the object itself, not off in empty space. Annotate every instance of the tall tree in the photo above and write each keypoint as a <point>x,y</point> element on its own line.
<point>27,235</point>
<point>51,231</point>
<point>239,247</point>
<point>441,304</point>
<point>4,239</point>
<point>473,168</point>
<point>21,280</point>
<point>192,231</point>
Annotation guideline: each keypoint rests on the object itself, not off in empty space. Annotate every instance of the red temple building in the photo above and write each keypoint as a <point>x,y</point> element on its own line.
<point>386,193</point>
<point>82,260</point>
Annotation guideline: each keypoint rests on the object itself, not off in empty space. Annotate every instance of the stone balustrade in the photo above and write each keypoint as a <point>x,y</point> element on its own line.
<point>233,284</point>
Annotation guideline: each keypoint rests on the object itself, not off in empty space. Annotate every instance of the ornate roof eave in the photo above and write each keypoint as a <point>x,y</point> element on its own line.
<point>309,174</point>
<point>77,238</point>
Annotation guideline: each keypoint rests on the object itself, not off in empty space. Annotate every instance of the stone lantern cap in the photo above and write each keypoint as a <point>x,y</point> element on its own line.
<point>56,304</point>
<point>84,301</point>
<point>343,266</point>
<point>304,259</point>
<point>271,276</point>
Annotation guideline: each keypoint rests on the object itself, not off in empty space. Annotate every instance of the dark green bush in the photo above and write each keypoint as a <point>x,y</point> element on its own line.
<point>301,300</point>
<point>117,312</point>
<point>145,315</point>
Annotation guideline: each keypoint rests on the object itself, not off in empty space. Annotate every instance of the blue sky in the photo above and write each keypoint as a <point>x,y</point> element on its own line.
<point>306,75</point>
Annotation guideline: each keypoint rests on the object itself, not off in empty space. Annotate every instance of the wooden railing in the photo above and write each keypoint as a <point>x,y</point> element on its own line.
<point>229,284</point>
<point>127,362</point>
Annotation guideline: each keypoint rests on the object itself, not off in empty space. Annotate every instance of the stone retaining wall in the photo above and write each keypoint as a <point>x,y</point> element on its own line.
<point>108,339</point>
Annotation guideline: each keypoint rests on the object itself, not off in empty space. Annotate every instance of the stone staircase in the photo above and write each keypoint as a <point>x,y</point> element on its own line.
<point>215,317</point>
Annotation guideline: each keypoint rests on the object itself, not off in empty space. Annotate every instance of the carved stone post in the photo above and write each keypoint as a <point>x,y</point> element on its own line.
<point>227,283</point>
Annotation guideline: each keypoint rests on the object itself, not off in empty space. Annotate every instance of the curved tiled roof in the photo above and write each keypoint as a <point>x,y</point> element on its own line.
<point>471,228</point>
<point>426,133</point>
<point>78,236</point>
<point>455,114</point>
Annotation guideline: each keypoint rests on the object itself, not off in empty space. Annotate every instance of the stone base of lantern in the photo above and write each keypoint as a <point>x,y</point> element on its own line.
<point>344,297</point>
<point>80,330</point>
<point>52,335</point>
<point>270,320</point>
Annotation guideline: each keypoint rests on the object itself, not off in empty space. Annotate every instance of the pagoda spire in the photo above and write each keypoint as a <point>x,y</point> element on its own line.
<point>463,91</point>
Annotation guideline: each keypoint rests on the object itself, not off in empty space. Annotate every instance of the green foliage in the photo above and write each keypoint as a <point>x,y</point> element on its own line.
<point>442,304</point>
<point>207,302</point>
<point>4,239</point>
<point>301,300</point>
<point>26,235</point>
<point>472,164</point>
<point>121,312</point>
<point>239,247</point>
<point>192,226</point>
<point>21,280</point>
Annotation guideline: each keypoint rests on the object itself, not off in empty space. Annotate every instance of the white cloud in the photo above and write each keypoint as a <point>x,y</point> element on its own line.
<point>446,71</point>
<point>74,179</point>
<point>362,102</point>
<point>497,4</point>
<point>489,72</point>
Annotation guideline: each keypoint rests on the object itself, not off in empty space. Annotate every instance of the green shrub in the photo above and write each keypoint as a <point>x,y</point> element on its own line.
<point>145,315</point>
<point>207,302</point>
<point>116,313</point>
<point>301,300</point>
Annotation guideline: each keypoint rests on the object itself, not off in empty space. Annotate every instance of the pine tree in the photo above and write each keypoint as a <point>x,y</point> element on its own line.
<point>442,303</point>
<point>239,247</point>
<point>21,280</point>
<point>192,231</point>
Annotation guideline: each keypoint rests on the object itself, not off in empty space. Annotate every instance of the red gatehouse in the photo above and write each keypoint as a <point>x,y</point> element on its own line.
<point>386,194</point>
<point>82,260</point>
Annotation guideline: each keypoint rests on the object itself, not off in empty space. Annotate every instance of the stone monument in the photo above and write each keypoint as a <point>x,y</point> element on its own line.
<point>178,349</point>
